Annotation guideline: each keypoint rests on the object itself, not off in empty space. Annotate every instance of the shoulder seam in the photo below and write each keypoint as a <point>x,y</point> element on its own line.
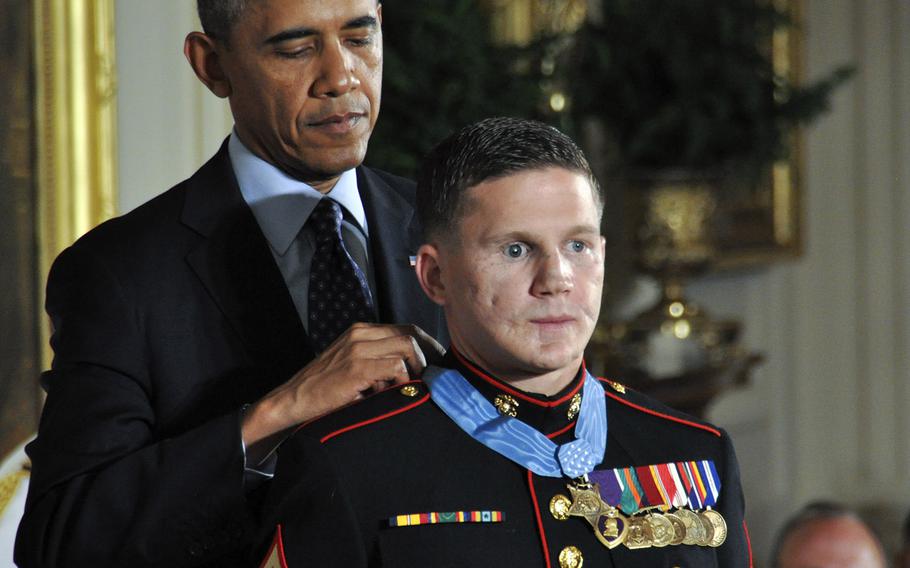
<point>381,417</point>
<point>640,408</point>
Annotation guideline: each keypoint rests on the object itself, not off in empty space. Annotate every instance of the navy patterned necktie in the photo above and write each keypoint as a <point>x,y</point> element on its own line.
<point>339,294</point>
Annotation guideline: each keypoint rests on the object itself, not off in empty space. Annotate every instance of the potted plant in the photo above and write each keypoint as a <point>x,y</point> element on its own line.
<point>691,85</point>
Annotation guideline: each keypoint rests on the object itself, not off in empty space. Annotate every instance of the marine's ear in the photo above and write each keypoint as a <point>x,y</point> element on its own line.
<point>429,273</point>
<point>204,55</point>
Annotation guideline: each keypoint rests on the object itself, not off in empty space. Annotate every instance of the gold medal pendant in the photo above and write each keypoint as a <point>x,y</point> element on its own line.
<point>662,531</point>
<point>639,534</point>
<point>695,528</point>
<point>679,528</point>
<point>586,502</point>
<point>718,527</point>
<point>610,526</point>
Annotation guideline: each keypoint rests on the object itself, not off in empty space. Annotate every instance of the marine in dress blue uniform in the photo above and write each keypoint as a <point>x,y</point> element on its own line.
<point>509,453</point>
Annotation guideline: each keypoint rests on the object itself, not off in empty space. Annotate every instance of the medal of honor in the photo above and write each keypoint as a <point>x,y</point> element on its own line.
<point>610,526</point>
<point>586,502</point>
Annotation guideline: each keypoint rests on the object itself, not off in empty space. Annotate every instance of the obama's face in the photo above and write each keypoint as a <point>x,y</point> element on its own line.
<point>303,78</point>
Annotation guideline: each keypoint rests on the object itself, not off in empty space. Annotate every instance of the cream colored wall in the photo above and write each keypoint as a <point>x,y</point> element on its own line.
<point>169,123</point>
<point>825,415</point>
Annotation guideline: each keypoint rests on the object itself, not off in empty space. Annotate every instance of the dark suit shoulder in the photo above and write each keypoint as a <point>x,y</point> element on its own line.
<point>369,413</point>
<point>143,227</point>
<point>392,179</point>
<point>631,401</point>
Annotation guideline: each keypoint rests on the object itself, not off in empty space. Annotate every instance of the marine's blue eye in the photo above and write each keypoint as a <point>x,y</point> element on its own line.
<point>515,250</point>
<point>578,246</point>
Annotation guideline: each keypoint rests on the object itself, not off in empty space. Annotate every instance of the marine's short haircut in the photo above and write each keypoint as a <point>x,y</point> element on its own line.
<point>219,16</point>
<point>484,151</point>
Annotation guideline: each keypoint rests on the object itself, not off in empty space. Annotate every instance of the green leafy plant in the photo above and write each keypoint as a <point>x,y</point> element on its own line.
<point>689,84</point>
<point>442,71</point>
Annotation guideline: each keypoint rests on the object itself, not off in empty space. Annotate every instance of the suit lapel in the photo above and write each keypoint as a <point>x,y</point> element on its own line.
<point>394,238</point>
<point>235,265</point>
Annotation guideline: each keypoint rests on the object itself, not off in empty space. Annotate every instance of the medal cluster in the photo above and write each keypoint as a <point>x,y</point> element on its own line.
<point>652,526</point>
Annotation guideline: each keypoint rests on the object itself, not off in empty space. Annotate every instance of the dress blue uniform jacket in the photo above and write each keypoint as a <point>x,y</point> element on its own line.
<point>166,321</point>
<point>342,478</point>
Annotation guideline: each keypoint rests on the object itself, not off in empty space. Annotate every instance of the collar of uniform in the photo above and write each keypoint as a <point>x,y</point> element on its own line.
<point>548,414</point>
<point>282,204</point>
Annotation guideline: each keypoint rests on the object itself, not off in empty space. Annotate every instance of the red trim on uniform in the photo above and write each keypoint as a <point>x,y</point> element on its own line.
<point>748,542</point>
<point>277,542</point>
<point>714,431</point>
<point>303,425</point>
<point>415,404</point>
<point>505,387</point>
<point>562,430</point>
<point>543,535</point>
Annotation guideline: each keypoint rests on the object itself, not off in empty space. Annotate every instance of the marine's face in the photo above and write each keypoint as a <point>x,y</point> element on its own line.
<point>305,79</point>
<point>521,286</point>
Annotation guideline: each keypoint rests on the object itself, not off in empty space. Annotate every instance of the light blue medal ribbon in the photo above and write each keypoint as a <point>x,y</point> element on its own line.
<point>516,440</point>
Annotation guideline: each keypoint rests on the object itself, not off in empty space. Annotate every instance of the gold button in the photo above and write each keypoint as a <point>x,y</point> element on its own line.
<point>559,507</point>
<point>409,390</point>
<point>618,387</point>
<point>570,557</point>
<point>506,405</point>
<point>574,406</point>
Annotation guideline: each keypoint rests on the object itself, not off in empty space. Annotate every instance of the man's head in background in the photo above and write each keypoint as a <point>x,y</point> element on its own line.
<point>303,78</point>
<point>513,253</point>
<point>827,535</point>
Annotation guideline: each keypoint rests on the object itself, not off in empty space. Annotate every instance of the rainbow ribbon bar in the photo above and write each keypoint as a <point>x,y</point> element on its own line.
<point>434,518</point>
<point>666,485</point>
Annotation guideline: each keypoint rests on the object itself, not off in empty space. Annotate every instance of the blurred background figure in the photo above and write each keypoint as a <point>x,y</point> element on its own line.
<point>827,535</point>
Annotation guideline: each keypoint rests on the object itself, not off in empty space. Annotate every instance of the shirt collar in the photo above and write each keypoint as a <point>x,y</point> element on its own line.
<point>548,414</point>
<point>282,204</point>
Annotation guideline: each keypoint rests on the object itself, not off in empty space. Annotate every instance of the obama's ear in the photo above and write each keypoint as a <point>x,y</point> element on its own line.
<point>203,53</point>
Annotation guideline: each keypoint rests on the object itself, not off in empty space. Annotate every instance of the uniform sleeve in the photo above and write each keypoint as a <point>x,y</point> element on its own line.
<point>107,489</point>
<point>736,552</point>
<point>318,526</point>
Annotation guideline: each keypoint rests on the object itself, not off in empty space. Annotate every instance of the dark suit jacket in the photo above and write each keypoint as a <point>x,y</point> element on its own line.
<point>336,487</point>
<point>166,321</point>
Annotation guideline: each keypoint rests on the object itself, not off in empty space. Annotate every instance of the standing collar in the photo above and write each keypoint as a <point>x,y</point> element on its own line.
<point>280,203</point>
<point>548,414</point>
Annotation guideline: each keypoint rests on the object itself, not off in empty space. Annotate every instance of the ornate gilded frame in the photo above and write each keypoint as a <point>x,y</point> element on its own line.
<point>75,125</point>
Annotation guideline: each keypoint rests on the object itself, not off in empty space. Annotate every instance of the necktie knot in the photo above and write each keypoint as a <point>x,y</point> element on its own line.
<point>326,220</point>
